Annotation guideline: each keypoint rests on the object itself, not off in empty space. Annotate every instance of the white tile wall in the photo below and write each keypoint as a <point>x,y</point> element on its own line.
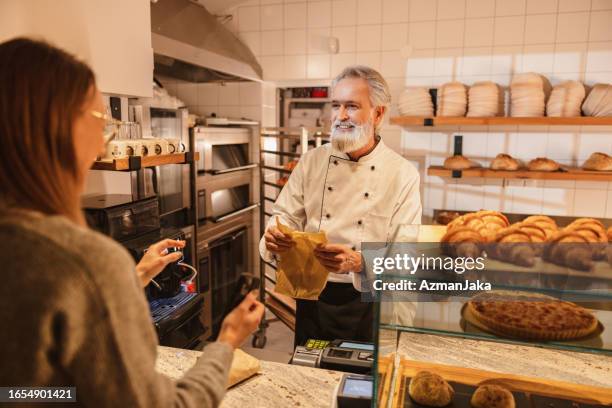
<point>426,43</point>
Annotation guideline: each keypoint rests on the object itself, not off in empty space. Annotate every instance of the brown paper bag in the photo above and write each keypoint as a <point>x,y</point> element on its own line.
<point>299,274</point>
<point>243,366</point>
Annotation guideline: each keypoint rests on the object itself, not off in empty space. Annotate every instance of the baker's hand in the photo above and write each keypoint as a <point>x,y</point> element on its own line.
<point>338,258</point>
<point>276,241</point>
<point>156,258</point>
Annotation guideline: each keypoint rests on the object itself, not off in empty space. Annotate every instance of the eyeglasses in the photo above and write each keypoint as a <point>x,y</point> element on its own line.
<point>112,125</point>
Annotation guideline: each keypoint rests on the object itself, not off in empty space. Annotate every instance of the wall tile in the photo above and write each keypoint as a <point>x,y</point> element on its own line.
<point>272,17</point>
<point>250,93</point>
<point>450,33</point>
<point>538,58</point>
<point>477,61</point>
<point>601,5</point>
<point>448,62</point>
<point>295,67</point>
<point>229,94</point>
<point>369,11</point>
<point>420,63</point>
<point>295,15</point>
<point>423,10</point>
<point>480,8</point>
<point>566,6</point>
<point>392,65</point>
<point>599,57</point>
<point>570,58</point>
<point>510,8</point>
<point>572,27</point>
<point>451,9</point>
<point>609,205</point>
<point>600,26</point>
<point>422,35</point>
<point>272,42</point>
<point>318,40</point>
<point>319,14</point>
<point>369,59</point>
<point>479,32</point>
<point>540,29</point>
<point>558,201</point>
<point>542,6</point>
<point>295,42</point>
<point>248,18</point>
<point>344,13</point>
<point>509,30</point>
<point>590,203</point>
<point>346,37</point>
<point>506,59</point>
<point>341,61</point>
<point>369,38</point>
<point>318,66</point>
<point>273,67</point>
<point>395,11</point>
<point>394,36</point>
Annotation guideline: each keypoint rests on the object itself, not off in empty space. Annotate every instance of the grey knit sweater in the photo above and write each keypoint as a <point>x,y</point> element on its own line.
<point>73,313</point>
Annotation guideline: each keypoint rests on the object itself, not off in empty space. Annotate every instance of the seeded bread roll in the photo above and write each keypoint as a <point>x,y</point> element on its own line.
<point>429,389</point>
<point>543,164</point>
<point>492,396</point>
<point>504,162</point>
<point>458,162</point>
<point>598,161</point>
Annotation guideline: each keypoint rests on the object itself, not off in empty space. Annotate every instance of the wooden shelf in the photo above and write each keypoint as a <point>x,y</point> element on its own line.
<point>570,174</point>
<point>276,168</point>
<point>137,162</point>
<point>500,120</point>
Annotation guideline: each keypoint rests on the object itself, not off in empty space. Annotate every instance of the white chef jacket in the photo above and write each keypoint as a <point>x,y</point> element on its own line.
<point>352,201</point>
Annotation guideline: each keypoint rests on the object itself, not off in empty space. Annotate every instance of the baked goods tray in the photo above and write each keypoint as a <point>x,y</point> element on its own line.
<point>528,392</point>
<point>448,318</point>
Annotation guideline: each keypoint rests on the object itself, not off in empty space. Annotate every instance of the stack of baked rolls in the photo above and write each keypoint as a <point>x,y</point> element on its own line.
<point>599,162</point>
<point>566,99</point>
<point>452,99</point>
<point>599,101</point>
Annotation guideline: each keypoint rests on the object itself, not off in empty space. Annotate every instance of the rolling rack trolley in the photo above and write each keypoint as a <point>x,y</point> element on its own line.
<point>279,146</point>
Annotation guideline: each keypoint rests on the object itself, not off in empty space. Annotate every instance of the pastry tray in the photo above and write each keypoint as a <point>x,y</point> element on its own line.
<point>528,392</point>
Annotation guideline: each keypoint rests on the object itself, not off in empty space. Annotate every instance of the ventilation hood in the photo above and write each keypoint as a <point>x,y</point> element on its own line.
<point>190,44</point>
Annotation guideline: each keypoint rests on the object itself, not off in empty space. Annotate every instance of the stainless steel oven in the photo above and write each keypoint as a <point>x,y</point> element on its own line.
<point>224,198</point>
<point>224,150</point>
<point>224,252</point>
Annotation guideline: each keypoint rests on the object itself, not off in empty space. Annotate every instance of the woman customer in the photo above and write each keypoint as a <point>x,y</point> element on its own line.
<point>72,307</point>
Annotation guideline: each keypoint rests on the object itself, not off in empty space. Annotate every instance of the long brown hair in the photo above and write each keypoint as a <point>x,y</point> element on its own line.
<point>42,91</point>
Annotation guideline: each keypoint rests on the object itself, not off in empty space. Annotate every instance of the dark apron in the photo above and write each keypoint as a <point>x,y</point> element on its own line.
<point>338,314</point>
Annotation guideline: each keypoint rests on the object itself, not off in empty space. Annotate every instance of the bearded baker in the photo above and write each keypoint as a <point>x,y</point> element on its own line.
<point>356,189</point>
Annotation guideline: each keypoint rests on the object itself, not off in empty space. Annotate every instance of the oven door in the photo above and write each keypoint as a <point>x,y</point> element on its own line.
<point>224,150</point>
<point>224,198</point>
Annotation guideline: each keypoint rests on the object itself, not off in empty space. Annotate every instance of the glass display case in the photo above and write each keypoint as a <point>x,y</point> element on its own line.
<point>445,306</point>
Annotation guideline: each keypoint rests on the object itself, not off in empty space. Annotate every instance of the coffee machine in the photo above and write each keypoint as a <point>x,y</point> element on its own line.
<point>176,309</point>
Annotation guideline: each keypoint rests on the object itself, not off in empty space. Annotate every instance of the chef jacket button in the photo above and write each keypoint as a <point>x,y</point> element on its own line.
<point>359,222</point>
<point>367,195</point>
<point>336,162</point>
<point>354,248</point>
<point>327,215</point>
<point>330,188</point>
<point>372,168</point>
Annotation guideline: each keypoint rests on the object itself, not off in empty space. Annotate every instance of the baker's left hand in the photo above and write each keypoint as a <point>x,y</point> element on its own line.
<point>338,258</point>
<point>156,258</point>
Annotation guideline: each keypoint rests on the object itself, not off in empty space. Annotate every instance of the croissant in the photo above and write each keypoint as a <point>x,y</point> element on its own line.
<point>609,233</point>
<point>462,242</point>
<point>595,233</point>
<point>487,223</point>
<point>537,235</point>
<point>545,222</point>
<point>512,245</point>
<point>569,248</point>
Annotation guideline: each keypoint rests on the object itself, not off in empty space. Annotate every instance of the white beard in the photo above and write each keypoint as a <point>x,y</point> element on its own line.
<point>348,142</point>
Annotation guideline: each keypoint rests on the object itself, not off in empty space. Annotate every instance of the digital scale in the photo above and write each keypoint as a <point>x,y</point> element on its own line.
<point>340,355</point>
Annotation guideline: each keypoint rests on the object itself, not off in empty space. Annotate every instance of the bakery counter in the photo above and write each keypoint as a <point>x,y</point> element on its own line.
<point>568,366</point>
<point>276,385</point>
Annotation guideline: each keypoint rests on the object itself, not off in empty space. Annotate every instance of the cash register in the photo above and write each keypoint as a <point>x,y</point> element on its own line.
<point>341,355</point>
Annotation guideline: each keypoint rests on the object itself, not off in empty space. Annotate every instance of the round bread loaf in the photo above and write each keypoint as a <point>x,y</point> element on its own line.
<point>543,164</point>
<point>429,389</point>
<point>504,162</point>
<point>492,396</point>
<point>458,162</point>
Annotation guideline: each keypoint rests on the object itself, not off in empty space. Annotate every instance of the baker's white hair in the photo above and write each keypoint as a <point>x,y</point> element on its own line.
<point>379,89</point>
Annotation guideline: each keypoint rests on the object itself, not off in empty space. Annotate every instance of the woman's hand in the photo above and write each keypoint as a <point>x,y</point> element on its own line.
<point>156,258</point>
<point>241,321</point>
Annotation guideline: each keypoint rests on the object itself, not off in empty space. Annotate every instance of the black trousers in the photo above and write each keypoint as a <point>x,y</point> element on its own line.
<point>338,314</point>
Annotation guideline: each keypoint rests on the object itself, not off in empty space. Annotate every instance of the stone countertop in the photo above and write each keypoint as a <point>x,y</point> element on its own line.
<point>277,385</point>
<point>561,365</point>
